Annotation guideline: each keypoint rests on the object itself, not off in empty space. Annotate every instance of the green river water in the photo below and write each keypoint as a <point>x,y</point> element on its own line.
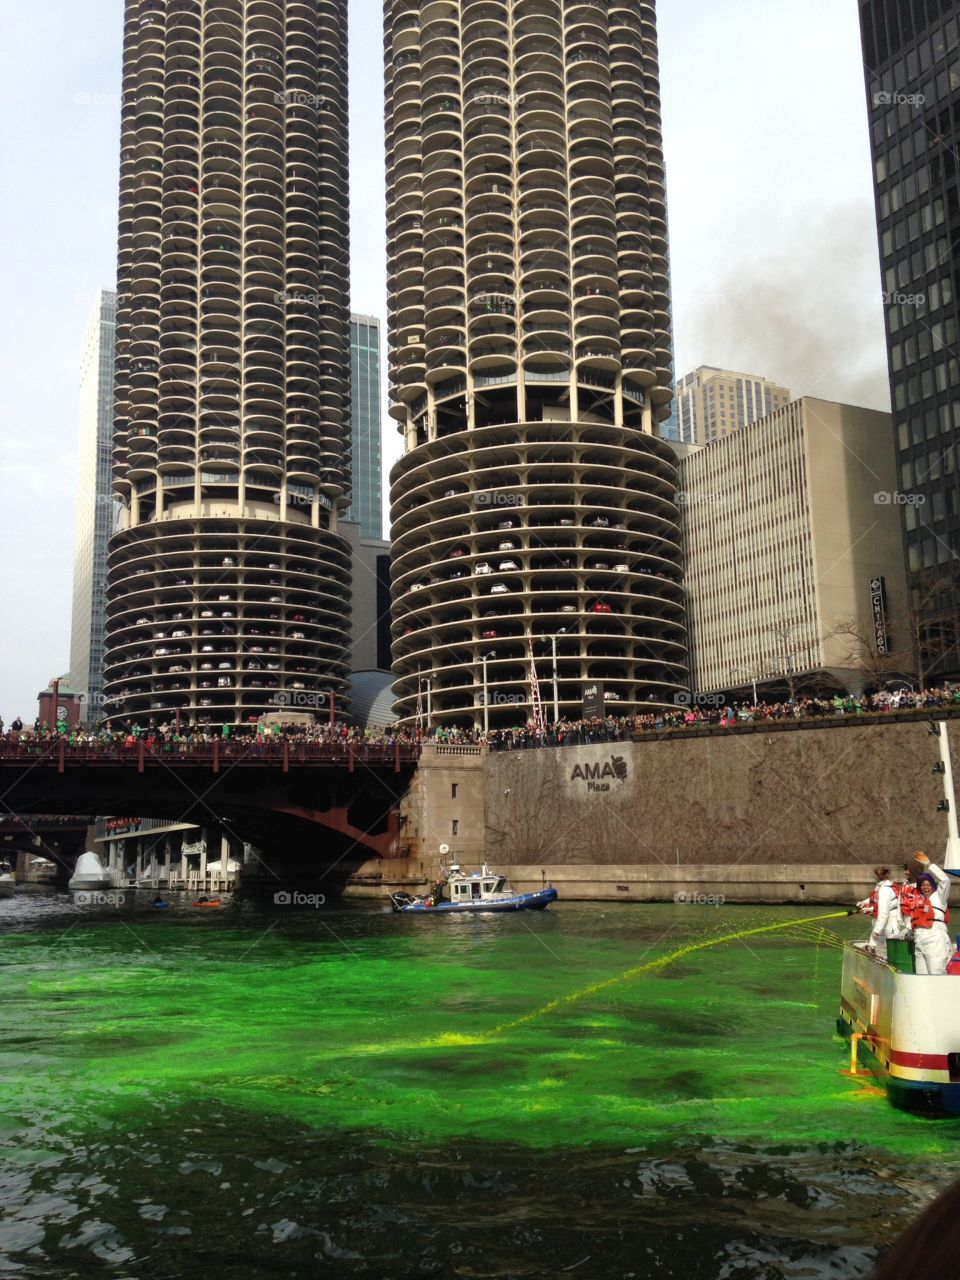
<point>265,1091</point>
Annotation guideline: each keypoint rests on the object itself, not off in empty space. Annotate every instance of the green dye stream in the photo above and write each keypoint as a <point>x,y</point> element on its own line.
<point>612,1089</point>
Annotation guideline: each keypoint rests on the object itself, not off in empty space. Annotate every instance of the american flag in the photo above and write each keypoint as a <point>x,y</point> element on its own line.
<point>535,699</point>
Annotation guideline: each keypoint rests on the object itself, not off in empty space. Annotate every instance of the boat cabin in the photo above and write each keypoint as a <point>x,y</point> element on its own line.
<point>476,887</point>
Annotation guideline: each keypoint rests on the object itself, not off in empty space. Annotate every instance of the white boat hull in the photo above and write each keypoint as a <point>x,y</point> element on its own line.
<point>908,1029</point>
<point>89,874</point>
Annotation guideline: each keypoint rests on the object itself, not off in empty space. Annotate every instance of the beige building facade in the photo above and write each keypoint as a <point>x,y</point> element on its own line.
<point>791,531</point>
<point>713,402</point>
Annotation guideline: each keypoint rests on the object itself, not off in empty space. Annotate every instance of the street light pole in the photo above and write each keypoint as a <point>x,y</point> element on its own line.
<point>556,678</point>
<point>486,710</point>
<point>737,673</point>
<point>54,721</point>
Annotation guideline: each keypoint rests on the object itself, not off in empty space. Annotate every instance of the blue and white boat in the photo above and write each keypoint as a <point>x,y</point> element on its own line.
<point>486,890</point>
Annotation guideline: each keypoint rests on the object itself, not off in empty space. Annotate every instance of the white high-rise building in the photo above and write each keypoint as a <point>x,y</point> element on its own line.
<point>534,517</point>
<point>229,580</point>
<point>95,503</point>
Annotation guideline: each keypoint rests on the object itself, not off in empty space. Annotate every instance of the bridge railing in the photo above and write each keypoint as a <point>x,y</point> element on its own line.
<point>271,752</point>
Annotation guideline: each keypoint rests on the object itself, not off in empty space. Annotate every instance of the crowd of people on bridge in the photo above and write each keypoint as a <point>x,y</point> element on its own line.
<point>693,713</point>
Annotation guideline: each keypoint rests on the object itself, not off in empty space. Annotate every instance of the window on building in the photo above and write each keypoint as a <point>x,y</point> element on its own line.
<point>455,827</point>
<point>454,788</point>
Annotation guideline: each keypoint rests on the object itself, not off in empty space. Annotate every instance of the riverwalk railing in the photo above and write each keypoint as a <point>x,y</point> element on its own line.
<point>599,734</point>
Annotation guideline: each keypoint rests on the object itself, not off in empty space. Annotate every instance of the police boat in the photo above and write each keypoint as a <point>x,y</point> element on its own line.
<point>458,891</point>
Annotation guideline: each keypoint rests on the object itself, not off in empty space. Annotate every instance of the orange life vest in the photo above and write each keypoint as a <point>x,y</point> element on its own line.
<point>874,898</point>
<point>911,900</point>
<point>926,915</point>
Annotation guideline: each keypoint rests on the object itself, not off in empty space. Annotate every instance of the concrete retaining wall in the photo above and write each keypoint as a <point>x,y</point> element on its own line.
<point>840,796</point>
<point>644,883</point>
<point>779,816</point>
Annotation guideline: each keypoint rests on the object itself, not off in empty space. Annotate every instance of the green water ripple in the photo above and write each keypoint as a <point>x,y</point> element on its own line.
<point>409,1032</point>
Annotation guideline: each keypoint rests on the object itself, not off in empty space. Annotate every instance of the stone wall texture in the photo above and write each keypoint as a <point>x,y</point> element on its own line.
<point>859,793</point>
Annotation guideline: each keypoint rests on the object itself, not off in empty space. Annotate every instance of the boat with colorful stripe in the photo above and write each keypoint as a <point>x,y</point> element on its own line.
<point>904,1029</point>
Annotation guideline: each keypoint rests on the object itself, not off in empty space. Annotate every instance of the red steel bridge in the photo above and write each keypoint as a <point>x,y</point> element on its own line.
<point>323,807</point>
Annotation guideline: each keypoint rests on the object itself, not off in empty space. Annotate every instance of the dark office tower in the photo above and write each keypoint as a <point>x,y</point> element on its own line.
<point>911,52</point>
<point>529,346</point>
<point>229,585</point>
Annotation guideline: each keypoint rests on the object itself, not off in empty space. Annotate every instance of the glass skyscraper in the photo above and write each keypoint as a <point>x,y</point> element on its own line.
<point>95,504</point>
<point>367,489</point>
<point>912,60</point>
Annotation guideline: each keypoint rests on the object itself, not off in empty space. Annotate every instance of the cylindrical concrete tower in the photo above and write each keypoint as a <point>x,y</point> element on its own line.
<point>534,509</point>
<point>229,585</point>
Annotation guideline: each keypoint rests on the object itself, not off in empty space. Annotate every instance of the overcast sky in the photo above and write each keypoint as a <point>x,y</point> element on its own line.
<point>773,240</point>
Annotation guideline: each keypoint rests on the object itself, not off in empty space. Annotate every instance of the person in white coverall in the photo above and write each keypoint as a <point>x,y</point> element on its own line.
<point>933,947</point>
<point>884,905</point>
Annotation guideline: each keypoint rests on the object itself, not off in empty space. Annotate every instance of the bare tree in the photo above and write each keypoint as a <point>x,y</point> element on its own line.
<point>876,662</point>
<point>919,634</point>
<point>929,618</point>
<point>790,648</point>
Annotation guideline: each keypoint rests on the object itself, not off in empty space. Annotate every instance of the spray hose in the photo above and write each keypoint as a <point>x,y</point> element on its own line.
<point>652,966</point>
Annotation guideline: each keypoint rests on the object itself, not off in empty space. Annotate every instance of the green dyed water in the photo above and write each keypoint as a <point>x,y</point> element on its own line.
<point>366,1094</point>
